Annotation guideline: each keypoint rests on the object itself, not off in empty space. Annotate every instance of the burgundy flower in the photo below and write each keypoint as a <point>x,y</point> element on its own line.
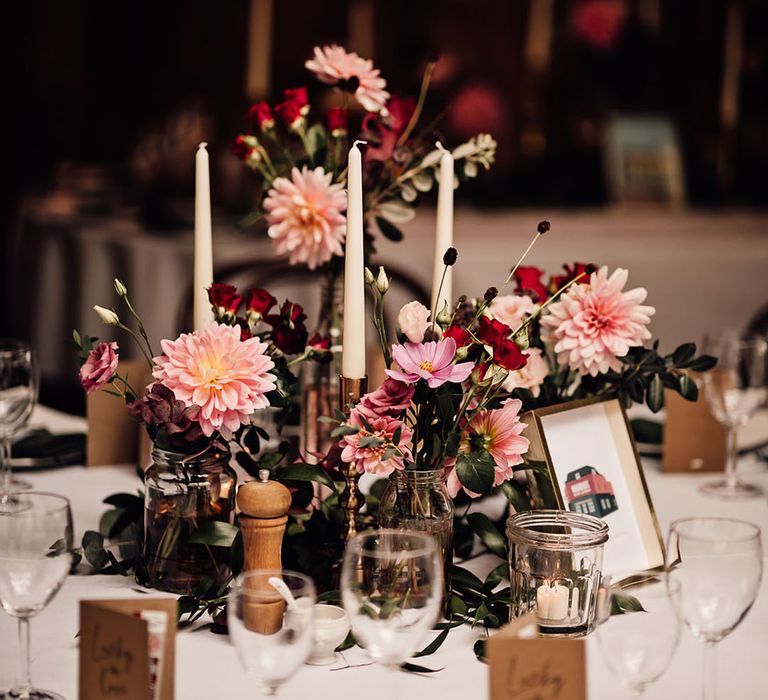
<point>459,334</point>
<point>99,367</point>
<point>491,331</point>
<point>390,399</point>
<point>294,107</point>
<point>245,329</point>
<point>224,299</point>
<point>159,408</point>
<point>506,354</point>
<point>571,272</point>
<point>260,114</point>
<point>258,303</point>
<point>337,121</point>
<point>321,348</point>
<point>242,147</point>
<point>289,333</point>
<point>384,131</point>
<point>529,282</point>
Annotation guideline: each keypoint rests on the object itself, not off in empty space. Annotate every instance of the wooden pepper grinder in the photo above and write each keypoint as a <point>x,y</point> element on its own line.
<point>263,515</point>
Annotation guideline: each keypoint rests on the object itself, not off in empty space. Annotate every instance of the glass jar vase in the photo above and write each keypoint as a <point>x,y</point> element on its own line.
<point>419,500</point>
<point>555,564</point>
<point>181,494</point>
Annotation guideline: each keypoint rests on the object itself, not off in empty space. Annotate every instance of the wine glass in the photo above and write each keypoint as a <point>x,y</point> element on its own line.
<point>270,616</point>
<point>714,570</point>
<point>35,558</point>
<point>391,586</point>
<point>18,395</point>
<point>639,643</point>
<point>734,389</point>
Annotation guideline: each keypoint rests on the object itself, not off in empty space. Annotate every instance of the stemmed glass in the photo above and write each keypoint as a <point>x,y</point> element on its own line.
<point>734,389</point>
<point>18,395</point>
<point>270,616</point>
<point>35,558</point>
<point>714,570</point>
<point>638,645</point>
<point>391,586</point>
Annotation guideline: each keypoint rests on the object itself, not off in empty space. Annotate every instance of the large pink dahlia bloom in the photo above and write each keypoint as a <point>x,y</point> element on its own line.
<point>592,325</point>
<point>305,217</point>
<point>224,377</point>
<point>332,65</point>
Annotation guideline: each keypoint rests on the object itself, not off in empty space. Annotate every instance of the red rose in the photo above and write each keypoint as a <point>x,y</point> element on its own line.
<point>390,399</point>
<point>224,299</point>
<point>337,121</point>
<point>242,148</point>
<point>383,132</point>
<point>260,114</point>
<point>491,331</point>
<point>571,272</point>
<point>459,334</point>
<point>529,282</point>
<point>506,354</point>
<point>288,331</point>
<point>259,302</point>
<point>321,348</point>
<point>245,331</point>
<point>295,106</point>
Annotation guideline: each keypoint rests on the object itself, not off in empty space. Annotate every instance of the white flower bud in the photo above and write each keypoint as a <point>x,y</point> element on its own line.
<point>444,315</point>
<point>120,288</point>
<point>382,281</point>
<point>368,276</point>
<point>107,315</point>
<point>462,352</point>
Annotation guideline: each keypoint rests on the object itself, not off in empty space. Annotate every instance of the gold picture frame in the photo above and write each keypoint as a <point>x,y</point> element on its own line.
<point>565,440</point>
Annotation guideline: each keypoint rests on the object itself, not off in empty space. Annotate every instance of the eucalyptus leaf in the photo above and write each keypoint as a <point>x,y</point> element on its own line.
<point>434,645</point>
<point>655,396</point>
<point>93,549</point>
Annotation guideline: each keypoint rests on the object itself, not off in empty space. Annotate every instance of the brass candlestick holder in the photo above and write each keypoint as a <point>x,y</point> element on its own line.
<point>351,500</point>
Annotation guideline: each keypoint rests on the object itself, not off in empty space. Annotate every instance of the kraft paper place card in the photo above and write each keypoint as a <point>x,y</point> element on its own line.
<point>127,649</point>
<point>113,435</point>
<point>693,439</point>
<point>523,666</point>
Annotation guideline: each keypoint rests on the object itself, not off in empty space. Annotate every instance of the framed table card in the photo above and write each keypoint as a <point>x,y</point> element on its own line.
<point>127,649</point>
<point>592,467</point>
<point>522,666</point>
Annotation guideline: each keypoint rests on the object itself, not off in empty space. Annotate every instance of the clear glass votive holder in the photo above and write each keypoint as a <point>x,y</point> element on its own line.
<point>555,563</point>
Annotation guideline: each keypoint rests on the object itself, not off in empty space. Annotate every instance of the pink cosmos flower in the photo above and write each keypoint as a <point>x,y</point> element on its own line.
<point>332,65</point>
<point>225,377</point>
<point>371,459</point>
<point>531,376</point>
<point>99,367</point>
<point>592,325</point>
<point>499,432</point>
<point>305,216</point>
<point>431,361</point>
<point>512,309</point>
<point>391,398</point>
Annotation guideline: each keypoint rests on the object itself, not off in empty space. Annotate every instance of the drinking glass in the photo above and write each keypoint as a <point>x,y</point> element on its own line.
<point>271,623</point>
<point>638,645</point>
<point>734,390</point>
<point>391,586</point>
<point>35,558</point>
<point>18,395</point>
<point>714,570</point>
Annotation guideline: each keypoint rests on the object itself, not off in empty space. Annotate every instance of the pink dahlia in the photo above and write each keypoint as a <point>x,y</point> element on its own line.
<point>432,361</point>
<point>592,325</point>
<point>371,459</point>
<point>531,376</point>
<point>512,309</point>
<point>224,377</point>
<point>304,216</point>
<point>333,65</point>
<point>99,367</point>
<point>499,432</point>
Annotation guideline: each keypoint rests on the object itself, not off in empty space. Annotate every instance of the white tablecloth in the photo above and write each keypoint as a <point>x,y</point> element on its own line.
<point>207,666</point>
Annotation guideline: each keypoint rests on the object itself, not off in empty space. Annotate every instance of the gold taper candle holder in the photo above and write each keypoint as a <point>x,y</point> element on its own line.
<point>351,500</point>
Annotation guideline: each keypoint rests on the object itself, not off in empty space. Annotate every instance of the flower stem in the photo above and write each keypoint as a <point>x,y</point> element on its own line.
<point>138,342</point>
<point>419,104</point>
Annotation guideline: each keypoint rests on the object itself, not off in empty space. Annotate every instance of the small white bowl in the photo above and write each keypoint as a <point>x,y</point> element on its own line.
<point>331,629</point>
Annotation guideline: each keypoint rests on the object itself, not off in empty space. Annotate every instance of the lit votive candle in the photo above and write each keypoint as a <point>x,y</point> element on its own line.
<point>552,602</point>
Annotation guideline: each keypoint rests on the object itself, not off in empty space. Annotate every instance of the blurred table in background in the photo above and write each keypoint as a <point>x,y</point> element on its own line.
<point>703,269</point>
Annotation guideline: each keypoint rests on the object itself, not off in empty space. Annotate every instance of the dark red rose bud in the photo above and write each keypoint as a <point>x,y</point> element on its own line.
<point>321,348</point>
<point>543,227</point>
<point>260,114</point>
<point>571,273</point>
<point>506,354</point>
<point>491,331</point>
<point>299,96</point>
<point>450,257</point>
<point>490,294</point>
<point>529,282</point>
<point>459,334</point>
<point>589,269</point>
<point>288,331</point>
<point>337,121</point>
<point>259,302</point>
<point>224,299</point>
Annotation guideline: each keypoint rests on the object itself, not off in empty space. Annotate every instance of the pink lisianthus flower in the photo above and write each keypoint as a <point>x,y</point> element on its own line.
<point>511,309</point>
<point>413,321</point>
<point>592,325</point>
<point>305,217</point>
<point>390,399</point>
<point>99,367</point>
<point>432,361</point>
<point>370,460</point>
<point>531,376</point>
<point>225,377</point>
<point>499,432</point>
